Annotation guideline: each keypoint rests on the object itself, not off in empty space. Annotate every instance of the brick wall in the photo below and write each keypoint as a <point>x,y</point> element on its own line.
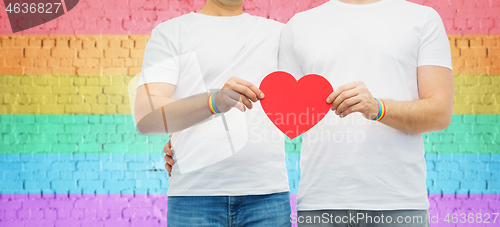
<point>55,168</point>
<point>87,55</point>
<point>89,74</point>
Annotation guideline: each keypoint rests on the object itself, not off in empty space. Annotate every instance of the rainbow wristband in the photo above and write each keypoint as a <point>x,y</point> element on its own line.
<point>381,112</point>
<point>214,104</point>
<point>211,103</point>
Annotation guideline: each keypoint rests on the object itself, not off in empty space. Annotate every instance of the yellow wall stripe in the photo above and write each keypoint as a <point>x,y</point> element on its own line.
<point>73,94</point>
<point>50,94</point>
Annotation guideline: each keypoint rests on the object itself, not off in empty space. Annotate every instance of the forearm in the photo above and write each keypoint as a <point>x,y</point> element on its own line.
<point>416,117</point>
<point>156,112</point>
<point>175,116</point>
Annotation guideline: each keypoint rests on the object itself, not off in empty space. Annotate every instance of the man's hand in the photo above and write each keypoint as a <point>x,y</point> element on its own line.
<point>248,92</point>
<point>353,97</point>
<point>226,98</point>
<point>169,161</point>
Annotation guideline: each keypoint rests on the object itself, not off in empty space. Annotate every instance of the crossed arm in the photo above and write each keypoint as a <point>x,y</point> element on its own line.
<point>149,109</point>
<point>432,112</point>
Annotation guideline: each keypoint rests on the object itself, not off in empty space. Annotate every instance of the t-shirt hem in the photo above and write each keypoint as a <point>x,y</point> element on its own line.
<point>165,80</point>
<point>363,207</point>
<point>204,192</point>
<point>436,63</point>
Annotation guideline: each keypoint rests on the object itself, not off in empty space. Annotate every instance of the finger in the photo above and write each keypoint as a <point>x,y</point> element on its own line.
<point>246,92</point>
<point>170,152</point>
<point>232,93</point>
<point>169,160</point>
<point>234,99</point>
<point>169,148</point>
<point>246,101</point>
<point>233,88</point>
<point>255,90</point>
<point>252,87</point>
<point>339,90</point>
<point>240,106</point>
<point>168,168</point>
<point>166,148</point>
<point>343,100</point>
<point>349,110</point>
<point>342,97</point>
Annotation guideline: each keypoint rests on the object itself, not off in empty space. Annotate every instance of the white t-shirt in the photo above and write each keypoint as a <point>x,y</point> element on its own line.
<point>233,153</point>
<point>355,163</point>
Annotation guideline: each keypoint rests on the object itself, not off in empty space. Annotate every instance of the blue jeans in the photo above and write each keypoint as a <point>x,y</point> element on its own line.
<point>231,211</point>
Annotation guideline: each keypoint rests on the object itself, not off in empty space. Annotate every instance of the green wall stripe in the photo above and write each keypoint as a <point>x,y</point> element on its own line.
<point>73,134</point>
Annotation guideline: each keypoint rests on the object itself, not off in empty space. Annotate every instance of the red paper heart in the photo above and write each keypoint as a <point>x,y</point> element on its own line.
<point>295,106</point>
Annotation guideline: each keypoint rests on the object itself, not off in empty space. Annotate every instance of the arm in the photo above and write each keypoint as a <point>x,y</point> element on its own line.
<point>154,103</point>
<point>432,112</point>
<point>434,109</point>
<point>156,111</point>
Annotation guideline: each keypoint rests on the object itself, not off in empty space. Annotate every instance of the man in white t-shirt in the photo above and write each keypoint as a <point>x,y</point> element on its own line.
<point>225,174</point>
<point>363,164</point>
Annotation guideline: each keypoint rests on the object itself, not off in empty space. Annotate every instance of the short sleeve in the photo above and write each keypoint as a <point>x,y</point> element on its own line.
<point>161,58</point>
<point>288,60</point>
<point>434,46</point>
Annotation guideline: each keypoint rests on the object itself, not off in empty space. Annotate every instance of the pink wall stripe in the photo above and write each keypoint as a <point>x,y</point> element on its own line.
<point>479,17</point>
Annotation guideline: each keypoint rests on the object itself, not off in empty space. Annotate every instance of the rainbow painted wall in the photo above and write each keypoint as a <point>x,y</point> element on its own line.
<point>70,155</point>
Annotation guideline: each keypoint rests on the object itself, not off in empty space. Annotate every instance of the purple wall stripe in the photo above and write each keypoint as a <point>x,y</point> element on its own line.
<point>150,210</point>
